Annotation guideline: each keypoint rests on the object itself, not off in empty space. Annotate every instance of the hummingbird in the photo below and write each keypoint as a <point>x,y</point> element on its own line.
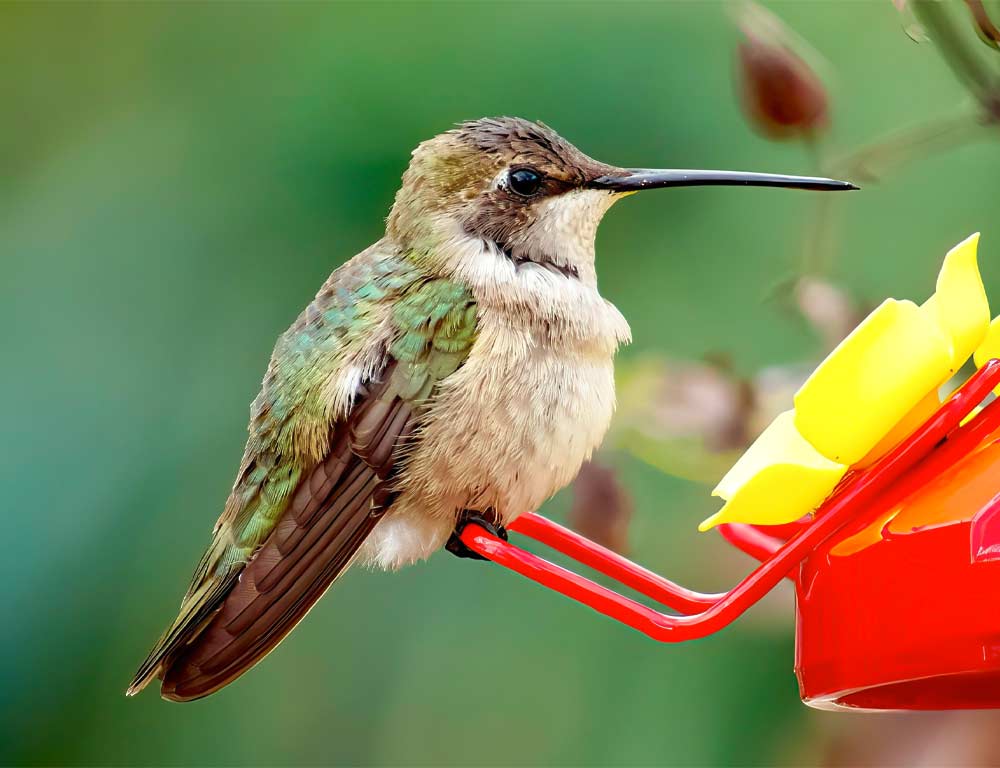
<point>459,369</point>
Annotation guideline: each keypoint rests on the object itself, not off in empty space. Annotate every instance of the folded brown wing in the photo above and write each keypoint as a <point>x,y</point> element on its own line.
<point>331,513</point>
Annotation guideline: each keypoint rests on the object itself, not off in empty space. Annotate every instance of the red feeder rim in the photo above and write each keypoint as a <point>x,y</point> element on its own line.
<point>853,648</point>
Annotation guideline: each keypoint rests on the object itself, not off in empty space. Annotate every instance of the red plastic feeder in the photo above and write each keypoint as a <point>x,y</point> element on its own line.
<point>897,575</point>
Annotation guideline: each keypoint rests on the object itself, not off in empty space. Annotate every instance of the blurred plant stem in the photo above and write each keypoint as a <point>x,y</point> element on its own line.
<point>876,159</point>
<point>988,31</point>
<point>873,161</point>
<point>967,65</point>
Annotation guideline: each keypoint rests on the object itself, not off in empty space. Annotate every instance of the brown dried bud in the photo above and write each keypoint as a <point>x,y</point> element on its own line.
<point>829,309</point>
<point>985,28</point>
<point>782,96</point>
<point>705,400</point>
<point>602,508</point>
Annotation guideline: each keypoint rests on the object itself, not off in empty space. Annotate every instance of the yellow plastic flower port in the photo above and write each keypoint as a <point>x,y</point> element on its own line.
<point>877,374</point>
<point>780,478</point>
<point>959,302</point>
<point>870,393</point>
<point>990,348</point>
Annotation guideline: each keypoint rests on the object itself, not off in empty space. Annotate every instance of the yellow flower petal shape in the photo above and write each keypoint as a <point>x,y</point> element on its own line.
<point>872,391</point>
<point>902,430</point>
<point>779,479</point>
<point>872,380</point>
<point>959,305</point>
<point>990,346</point>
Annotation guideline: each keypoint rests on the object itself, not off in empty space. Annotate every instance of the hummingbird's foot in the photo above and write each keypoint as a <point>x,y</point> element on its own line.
<point>487,520</point>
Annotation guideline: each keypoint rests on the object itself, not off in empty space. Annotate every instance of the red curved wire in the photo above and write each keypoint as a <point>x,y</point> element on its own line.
<point>751,540</point>
<point>849,501</point>
<point>610,563</point>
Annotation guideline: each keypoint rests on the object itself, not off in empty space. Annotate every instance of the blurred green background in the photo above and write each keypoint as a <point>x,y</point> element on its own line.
<point>177,181</point>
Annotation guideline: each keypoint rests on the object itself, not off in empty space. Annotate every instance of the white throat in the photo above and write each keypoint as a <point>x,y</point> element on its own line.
<point>565,229</point>
<point>564,302</point>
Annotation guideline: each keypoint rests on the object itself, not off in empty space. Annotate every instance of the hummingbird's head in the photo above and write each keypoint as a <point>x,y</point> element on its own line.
<point>497,197</point>
<point>514,186</point>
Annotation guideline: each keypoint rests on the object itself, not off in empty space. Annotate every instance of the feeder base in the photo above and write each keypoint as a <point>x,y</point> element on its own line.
<point>909,622</point>
<point>969,690</point>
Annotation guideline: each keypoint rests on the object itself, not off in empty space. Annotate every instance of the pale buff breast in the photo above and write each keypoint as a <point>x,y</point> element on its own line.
<point>508,429</point>
<point>512,426</point>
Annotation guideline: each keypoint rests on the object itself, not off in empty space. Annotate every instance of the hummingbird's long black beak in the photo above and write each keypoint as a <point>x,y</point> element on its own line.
<point>635,179</point>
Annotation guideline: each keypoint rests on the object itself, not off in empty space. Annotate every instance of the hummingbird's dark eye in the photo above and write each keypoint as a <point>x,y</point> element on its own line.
<point>525,181</point>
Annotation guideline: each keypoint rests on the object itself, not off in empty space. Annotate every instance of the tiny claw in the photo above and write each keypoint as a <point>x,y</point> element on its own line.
<point>458,547</point>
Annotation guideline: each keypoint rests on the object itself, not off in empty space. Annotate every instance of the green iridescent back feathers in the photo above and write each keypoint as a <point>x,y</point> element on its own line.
<point>432,325</point>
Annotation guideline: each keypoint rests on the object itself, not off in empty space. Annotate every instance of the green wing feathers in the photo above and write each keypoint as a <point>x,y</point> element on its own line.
<point>313,482</point>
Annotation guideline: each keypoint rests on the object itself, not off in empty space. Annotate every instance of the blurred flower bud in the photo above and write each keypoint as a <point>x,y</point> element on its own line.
<point>602,508</point>
<point>781,94</point>
<point>985,28</point>
<point>705,399</point>
<point>827,308</point>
